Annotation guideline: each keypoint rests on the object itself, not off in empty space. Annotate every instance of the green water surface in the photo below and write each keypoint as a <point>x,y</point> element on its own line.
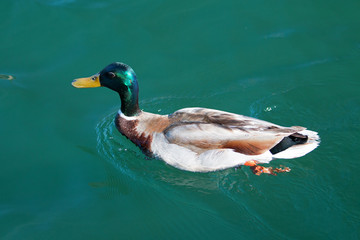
<point>66,173</point>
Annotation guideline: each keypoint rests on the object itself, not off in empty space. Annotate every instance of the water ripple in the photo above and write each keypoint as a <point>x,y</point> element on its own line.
<point>246,198</point>
<point>232,186</point>
<point>280,34</point>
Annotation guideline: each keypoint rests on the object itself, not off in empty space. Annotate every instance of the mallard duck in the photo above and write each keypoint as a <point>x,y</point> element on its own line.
<point>199,139</point>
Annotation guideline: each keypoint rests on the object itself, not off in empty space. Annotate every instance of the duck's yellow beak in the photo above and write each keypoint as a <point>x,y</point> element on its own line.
<point>89,82</point>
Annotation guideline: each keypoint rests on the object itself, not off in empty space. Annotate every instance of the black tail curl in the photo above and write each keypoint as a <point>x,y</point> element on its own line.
<point>289,141</point>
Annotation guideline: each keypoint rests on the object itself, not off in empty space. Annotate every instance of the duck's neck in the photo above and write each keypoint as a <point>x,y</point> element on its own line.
<point>129,101</point>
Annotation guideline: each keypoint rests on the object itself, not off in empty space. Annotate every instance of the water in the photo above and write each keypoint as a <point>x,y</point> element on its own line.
<point>67,173</point>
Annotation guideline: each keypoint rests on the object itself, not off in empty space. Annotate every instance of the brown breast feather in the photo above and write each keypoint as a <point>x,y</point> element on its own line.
<point>143,138</point>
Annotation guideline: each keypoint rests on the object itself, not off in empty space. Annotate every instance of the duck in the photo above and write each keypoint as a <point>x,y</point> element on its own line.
<point>200,139</point>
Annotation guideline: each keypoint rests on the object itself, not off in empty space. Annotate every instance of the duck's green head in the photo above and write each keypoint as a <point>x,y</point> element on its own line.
<point>120,78</point>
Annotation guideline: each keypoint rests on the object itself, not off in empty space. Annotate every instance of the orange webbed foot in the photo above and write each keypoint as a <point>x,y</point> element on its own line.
<point>285,169</point>
<point>250,163</point>
<point>258,170</point>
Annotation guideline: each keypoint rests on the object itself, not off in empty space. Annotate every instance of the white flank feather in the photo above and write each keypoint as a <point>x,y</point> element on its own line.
<point>211,160</point>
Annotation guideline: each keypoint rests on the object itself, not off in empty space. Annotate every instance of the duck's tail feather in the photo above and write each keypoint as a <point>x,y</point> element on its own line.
<point>296,145</point>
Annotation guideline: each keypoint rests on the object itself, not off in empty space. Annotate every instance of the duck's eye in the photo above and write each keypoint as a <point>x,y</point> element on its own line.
<point>110,74</point>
